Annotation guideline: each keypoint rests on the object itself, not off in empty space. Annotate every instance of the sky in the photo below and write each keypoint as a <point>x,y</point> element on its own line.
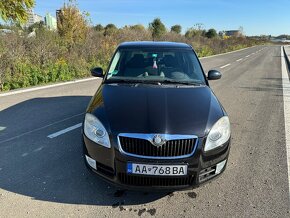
<point>257,17</point>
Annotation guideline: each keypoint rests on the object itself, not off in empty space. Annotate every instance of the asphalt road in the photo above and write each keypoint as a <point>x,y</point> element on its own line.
<point>42,176</point>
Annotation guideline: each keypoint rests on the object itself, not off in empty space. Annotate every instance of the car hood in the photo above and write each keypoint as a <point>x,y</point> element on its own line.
<point>156,109</point>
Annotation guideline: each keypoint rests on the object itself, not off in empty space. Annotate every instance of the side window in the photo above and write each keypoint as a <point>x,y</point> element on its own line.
<point>114,65</point>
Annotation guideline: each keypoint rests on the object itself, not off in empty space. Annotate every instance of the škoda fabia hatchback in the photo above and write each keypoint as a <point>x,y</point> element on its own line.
<point>154,122</point>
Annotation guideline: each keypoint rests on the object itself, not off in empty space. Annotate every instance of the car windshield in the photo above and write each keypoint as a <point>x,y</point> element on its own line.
<point>155,65</point>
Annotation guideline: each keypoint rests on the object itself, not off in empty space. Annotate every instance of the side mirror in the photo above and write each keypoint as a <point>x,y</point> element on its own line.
<point>213,75</point>
<point>97,72</point>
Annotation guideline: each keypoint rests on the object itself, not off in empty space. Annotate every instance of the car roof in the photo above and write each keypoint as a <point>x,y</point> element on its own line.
<point>154,44</point>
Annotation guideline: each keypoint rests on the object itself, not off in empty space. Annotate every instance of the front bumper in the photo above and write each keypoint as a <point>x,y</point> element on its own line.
<point>111,165</point>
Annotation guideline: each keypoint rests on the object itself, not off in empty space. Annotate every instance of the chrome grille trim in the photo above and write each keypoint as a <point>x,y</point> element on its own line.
<point>149,137</point>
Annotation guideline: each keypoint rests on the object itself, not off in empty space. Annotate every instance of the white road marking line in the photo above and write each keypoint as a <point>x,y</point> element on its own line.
<point>225,66</point>
<point>286,99</point>
<point>248,56</point>
<point>239,60</point>
<point>253,53</point>
<point>61,132</point>
<point>40,128</point>
<point>45,87</point>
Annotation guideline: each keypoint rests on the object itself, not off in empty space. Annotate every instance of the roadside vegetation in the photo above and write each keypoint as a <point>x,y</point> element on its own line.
<point>69,53</point>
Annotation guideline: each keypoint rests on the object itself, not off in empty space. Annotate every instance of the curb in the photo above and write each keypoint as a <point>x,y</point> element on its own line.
<point>19,91</point>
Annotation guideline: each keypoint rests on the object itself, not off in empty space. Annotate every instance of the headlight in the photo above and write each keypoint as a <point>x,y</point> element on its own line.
<point>95,131</point>
<point>219,134</point>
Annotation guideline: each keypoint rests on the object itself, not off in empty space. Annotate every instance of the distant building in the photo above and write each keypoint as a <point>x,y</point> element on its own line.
<point>50,22</point>
<point>32,18</point>
<point>233,33</point>
<point>57,16</point>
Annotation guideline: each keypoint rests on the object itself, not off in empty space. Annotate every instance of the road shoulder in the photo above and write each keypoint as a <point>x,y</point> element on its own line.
<point>286,99</point>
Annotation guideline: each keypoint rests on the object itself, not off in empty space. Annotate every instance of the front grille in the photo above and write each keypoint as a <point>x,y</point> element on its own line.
<point>155,181</point>
<point>143,147</point>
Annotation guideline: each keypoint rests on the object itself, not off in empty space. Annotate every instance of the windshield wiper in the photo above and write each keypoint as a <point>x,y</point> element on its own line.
<point>155,82</point>
<point>131,81</point>
<point>180,82</point>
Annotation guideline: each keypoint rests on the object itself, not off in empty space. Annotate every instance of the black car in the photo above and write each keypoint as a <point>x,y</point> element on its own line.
<point>154,123</point>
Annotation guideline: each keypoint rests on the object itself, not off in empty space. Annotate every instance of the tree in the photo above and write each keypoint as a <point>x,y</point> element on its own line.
<point>211,33</point>
<point>111,26</point>
<point>137,27</point>
<point>110,29</point>
<point>197,30</point>
<point>193,32</point>
<point>199,26</point>
<point>72,25</point>
<point>99,28</point>
<point>15,10</point>
<point>176,28</point>
<point>158,28</point>
<point>189,33</point>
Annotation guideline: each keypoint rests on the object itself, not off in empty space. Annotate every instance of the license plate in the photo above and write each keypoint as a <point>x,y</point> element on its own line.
<point>157,170</point>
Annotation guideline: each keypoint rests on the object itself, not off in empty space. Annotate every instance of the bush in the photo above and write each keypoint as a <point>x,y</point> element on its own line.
<point>46,58</point>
